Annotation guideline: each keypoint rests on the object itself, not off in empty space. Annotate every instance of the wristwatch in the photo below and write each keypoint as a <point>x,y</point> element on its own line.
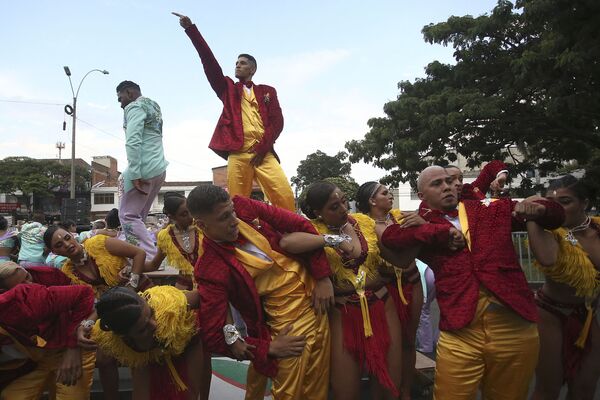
<point>231,334</point>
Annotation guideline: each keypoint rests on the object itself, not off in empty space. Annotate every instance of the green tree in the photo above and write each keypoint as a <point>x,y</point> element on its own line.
<point>40,178</point>
<point>318,166</point>
<point>526,76</point>
<point>347,185</point>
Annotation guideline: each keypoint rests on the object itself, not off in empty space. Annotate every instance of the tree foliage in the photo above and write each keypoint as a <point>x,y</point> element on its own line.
<point>347,185</point>
<point>318,166</point>
<point>526,76</point>
<point>42,178</point>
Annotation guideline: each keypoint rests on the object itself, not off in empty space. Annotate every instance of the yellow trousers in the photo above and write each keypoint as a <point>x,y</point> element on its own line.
<point>43,377</point>
<point>298,378</point>
<point>498,350</point>
<point>269,175</point>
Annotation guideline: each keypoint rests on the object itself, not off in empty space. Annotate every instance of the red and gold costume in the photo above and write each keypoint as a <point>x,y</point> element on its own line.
<point>573,268</point>
<point>250,123</point>
<point>48,276</point>
<point>176,328</point>
<point>106,266</point>
<point>106,270</point>
<point>254,274</point>
<point>487,312</point>
<point>39,323</point>
<point>365,327</point>
<point>179,258</point>
<point>402,289</point>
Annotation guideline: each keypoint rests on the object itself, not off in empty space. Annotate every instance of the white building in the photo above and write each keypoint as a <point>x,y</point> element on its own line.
<point>406,199</point>
<point>105,198</point>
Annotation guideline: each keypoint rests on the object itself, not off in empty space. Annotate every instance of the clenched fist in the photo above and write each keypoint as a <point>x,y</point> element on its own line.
<point>529,210</point>
<point>457,240</point>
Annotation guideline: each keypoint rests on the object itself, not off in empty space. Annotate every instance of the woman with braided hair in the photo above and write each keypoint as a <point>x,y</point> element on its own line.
<point>376,201</point>
<point>364,323</point>
<point>155,333</point>
<point>98,263</point>
<point>569,326</point>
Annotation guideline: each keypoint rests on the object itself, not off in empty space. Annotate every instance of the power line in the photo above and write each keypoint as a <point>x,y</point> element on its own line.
<point>122,140</point>
<point>101,130</point>
<point>32,102</point>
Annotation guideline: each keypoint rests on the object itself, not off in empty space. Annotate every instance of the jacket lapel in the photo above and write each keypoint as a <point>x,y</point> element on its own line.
<point>229,259</point>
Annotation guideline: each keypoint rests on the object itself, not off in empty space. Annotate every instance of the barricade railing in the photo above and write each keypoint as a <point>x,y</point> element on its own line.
<point>521,242</point>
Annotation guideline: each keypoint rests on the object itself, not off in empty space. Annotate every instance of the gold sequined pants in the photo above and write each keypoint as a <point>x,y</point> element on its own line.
<point>43,377</point>
<point>497,351</point>
<point>269,175</point>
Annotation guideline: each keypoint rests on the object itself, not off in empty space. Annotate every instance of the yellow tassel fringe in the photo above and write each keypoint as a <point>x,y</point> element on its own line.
<point>583,335</point>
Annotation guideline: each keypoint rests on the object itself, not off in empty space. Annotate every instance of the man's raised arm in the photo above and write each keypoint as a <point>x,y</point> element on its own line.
<point>212,69</point>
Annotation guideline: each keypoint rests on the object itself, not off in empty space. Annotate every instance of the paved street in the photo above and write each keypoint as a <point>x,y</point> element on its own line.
<point>228,379</point>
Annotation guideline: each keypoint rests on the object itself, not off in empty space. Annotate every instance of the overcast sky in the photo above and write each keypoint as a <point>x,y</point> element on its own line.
<point>334,64</point>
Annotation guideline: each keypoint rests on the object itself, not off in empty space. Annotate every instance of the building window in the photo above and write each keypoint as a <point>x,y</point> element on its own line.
<point>104,198</point>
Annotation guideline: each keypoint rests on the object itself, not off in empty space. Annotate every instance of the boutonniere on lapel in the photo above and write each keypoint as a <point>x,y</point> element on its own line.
<point>267,98</point>
<point>486,202</point>
<point>256,223</point>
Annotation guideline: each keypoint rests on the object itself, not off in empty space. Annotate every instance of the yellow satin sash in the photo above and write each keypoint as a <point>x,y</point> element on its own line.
<point>33,353</point>
<point>284,286</point>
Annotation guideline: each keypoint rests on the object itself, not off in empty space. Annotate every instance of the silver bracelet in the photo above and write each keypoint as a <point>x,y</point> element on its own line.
<point>87,323</point>
<point>134,280</point>
<point>335,240</point>
<point>231,334</point>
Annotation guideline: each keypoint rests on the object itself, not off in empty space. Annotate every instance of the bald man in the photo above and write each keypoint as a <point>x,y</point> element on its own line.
<point>487,315</point>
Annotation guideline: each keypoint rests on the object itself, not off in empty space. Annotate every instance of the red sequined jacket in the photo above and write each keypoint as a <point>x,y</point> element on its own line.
<point>491,262</point>
<point>229,133</point>
<point>222,279</point>
<point>52,313</point>
<point>48,276</point>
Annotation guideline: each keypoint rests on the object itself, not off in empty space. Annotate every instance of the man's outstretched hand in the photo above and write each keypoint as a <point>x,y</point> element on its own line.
<point>184,21</point>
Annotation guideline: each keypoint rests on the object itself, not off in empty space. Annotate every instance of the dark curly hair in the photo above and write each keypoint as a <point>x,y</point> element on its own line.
<point>316,197</point>
<point>128,85</point>
<point>578,186</point>
<point>49,233</point>
<point>112,219</point>
<point>172,202</point>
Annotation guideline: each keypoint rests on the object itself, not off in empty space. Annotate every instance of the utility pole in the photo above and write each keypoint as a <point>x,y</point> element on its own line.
<point>73,113</point>
<point>60,146</point>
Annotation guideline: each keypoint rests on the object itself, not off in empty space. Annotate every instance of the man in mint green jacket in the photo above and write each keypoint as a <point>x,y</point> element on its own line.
<point>146,169</point>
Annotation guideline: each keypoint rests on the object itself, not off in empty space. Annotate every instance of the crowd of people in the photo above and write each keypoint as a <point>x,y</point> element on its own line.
<point>314,298</point>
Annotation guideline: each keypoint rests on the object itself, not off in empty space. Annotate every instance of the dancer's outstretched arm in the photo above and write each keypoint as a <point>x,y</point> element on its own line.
<point>212,69</point>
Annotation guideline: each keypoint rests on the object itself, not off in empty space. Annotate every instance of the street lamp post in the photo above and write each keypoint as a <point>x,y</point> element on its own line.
<point>74,115</point>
